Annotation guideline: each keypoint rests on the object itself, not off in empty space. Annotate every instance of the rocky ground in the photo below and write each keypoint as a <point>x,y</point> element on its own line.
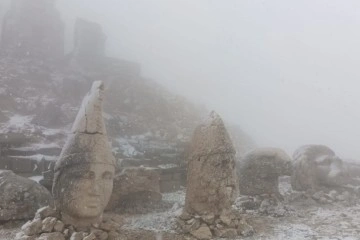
<point>298,218</point>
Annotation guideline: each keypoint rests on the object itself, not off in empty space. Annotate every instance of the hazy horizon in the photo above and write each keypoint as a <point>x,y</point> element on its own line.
<point>285,71</point>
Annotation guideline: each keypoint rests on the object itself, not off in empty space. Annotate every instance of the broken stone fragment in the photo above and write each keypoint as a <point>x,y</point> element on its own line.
<point>100,235</point>
<point>244,229</point>
<point>52,236</point>
<point>32,227</point>
<point>59,226</point>
<point>21,236</point>
<point>91,236</point>
<point>230,233</point>
<point>78,236</point>
<point>202,233</point>
<point>113,235</point>
<point>48,224</point>
<point>109,226</point>
<point>45,212</point>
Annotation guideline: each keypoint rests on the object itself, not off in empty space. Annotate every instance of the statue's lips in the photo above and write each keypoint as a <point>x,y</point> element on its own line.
<point>93,203</point>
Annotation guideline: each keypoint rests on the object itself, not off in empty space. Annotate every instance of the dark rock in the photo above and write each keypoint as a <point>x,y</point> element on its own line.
<point>21,197</point>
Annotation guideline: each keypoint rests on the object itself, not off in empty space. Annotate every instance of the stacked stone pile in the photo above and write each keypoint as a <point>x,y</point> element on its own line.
<point>47,225</point>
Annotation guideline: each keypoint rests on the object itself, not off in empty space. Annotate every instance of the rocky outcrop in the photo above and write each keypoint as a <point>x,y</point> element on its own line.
<point>260,169</point>
<point>316,167</point>
<point>211,184</point>
<point>20,197</point>
<point>33,29</point>
<point>135,187</point>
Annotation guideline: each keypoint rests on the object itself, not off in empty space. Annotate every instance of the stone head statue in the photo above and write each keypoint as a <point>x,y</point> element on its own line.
<point>317,166</point>
<point>83,179</point>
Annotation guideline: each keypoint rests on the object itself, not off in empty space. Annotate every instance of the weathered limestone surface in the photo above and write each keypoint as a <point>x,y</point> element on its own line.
<point>212,185</point>
<point>33,28</point>
<point>260,169</point>
<point>20,197</point>
<point>84,173</point>
<point>135,186</point>
<point>317,167</point>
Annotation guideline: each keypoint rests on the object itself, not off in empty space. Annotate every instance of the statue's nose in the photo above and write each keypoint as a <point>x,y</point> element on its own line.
<point>95,189</point>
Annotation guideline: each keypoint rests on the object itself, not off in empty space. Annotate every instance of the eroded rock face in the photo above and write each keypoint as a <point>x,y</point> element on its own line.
<point>316,167</point>
<point>260,169</point>
<point>20,197</point>
<point>33,28</point>
<point>84,173</point>
<point>135,186</point>
<point>211,184</point>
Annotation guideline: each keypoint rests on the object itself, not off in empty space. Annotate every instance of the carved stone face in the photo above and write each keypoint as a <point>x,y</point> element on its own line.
<point>330,171</point>
<point>85,190</point>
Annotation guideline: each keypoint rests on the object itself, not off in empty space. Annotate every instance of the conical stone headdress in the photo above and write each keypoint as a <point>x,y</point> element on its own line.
<point>88,142</point>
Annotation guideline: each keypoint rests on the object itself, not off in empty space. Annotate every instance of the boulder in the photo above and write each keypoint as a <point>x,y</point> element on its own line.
<point>260,169</point>
<point>20,197</point>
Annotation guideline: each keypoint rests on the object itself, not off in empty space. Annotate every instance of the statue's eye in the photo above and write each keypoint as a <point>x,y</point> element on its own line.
<point>107,175</point>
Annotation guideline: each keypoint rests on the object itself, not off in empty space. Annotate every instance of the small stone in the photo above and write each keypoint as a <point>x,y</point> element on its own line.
<point>225,219</point>
<point>113,235</point>
<point>332,194</point>
<point>109,226</point>
<point>52,236</point>
<point>245,229</point>
<point>91,236</point>
<point>59,226</point>
<point>66,233</point>
<point>192,225</point>
<point>100,235</point>
<point>21,236</point>
<point>345,196</point>
<point>45,212</point>
<point>185,216</point>
<point>227,233</point>
<point>48,224</point>
<point>209,219</point>
<point>202,233</point>
<point>78,236</point>
<point>71,230</point>
<point>318,195</point>
<point>32,227</point>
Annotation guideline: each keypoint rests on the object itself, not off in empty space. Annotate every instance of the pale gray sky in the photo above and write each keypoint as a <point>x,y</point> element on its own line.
<point>285,70</point>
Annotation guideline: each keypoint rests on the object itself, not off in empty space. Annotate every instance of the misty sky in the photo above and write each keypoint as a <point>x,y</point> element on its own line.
<point>286,71</point>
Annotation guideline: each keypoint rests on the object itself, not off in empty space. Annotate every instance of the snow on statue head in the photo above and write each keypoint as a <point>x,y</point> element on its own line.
<point>84,172</point>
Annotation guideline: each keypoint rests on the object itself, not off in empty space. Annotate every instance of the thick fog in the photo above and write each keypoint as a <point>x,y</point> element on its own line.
<point>285,71</point>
